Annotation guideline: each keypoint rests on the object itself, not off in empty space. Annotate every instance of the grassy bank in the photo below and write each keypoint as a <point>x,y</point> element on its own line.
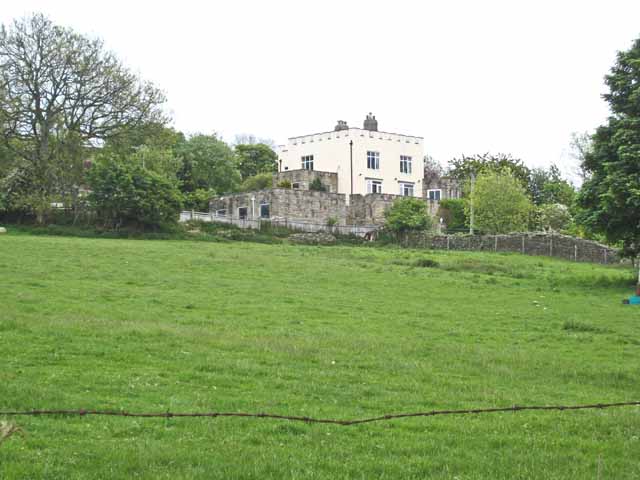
<point>330,332</point>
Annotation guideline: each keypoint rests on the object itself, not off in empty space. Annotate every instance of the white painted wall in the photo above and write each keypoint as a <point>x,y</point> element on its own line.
<point>330,152</point>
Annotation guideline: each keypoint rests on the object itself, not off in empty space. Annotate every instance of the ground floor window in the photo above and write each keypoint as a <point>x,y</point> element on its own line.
<point>264,210</point>
<point>434,195</point>
<point>242,213</point>
<point>295,186</point>
<point>374,186</point>
<point>221,213</point>
<point>406,189</point>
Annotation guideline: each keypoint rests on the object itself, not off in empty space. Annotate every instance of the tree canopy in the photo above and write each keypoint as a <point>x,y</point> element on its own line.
<point>255,158</point>
<point>500,203</point>
<point>610,196</point>
<point>61,94</point>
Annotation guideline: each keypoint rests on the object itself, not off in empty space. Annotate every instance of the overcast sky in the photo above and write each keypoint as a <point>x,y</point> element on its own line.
<point>469,76</point>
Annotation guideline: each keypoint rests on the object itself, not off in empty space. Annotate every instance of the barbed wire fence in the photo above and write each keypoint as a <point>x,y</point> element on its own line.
<point>304,419</point>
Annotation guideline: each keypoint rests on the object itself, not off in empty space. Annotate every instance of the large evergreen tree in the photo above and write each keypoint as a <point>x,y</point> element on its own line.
<point>610,197</point>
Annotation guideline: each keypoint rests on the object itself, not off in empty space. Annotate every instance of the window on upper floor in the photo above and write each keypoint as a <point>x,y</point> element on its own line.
<point>374,186</point>
<point>434,195</point>
<point>373,160</point>
<point>405,164</point>
<point>406,189</point>
<point>307,162</point>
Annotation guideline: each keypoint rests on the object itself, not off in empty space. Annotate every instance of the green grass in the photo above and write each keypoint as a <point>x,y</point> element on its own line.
<point>338,332</point>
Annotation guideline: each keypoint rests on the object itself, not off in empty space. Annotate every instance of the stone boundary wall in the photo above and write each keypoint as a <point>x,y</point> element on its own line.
<point>543,244</point>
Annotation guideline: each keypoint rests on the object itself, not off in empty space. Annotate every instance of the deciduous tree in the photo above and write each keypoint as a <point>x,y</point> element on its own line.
<point>500,203</point>
<point>610,196</point>
<point>61,92</point>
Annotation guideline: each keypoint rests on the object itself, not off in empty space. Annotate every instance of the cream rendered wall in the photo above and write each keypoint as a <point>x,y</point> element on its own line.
<point>330,152</point>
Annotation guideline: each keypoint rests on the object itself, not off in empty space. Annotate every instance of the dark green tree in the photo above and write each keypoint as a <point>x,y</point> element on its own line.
<point>452,213</point>
<point>609,200</point>
<point>124,193</point>
<point>209,164</point>
<point>255,158</point>
<point>547,186</point>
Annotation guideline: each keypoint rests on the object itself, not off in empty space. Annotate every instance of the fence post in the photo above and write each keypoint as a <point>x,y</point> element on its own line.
<point>575,252</point>
<point>523,248</point>
<point>551,245</point>
<point>448,238</point>
<point>495,243</point>
<point>605,256</point>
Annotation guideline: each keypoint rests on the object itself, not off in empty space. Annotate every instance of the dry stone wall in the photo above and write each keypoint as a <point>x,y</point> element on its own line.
<point>544,244</point>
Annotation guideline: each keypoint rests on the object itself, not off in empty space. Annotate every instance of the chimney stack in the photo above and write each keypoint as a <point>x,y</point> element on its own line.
<point>342,125</point>
<point>370,123</point>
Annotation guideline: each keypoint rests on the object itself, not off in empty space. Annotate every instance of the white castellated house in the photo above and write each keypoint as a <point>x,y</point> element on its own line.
<point>365,160</point>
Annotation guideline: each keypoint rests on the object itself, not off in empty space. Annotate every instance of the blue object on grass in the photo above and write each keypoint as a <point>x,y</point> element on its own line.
<point>635,300</point>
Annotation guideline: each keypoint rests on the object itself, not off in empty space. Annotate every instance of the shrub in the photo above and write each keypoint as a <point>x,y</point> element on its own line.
<point>451,211</point>
<point>407,215</point>
<point>127,194</point>
<point>426,263</point>
<point>284,184</point>
<point>317,185</point>
<point>260,181</point>
<point>331,221</point>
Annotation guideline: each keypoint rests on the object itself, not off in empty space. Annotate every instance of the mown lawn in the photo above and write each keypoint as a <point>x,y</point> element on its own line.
<point>341,332</point>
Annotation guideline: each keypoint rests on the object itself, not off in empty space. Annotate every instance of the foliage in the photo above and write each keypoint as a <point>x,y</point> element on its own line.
<point>207,163</point>
<point>610,197</point>
<point>157,326</point>
<point>254,159</point>
<point>317,185</point>
<point>554,216</point>
<point>332,221</point>
<point>62,93</point>
<point>548,186</point>
<point>466,167</point>
<point>198,200</point>
<point>261,181</point>
<point>407,214</point>
<point>500,203</point>
<point>284,183</point>
<point>452,212</point>
<point>127,194</point>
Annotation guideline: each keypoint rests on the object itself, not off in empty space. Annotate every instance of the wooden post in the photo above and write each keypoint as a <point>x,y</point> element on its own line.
<point>551,246</point>
<point>575,252</point>
<point>448,238</point>
<point>523,249</point>
<point>495,243</point>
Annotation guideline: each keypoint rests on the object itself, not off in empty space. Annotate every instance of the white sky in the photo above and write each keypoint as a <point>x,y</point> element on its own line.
<point>469,76</point>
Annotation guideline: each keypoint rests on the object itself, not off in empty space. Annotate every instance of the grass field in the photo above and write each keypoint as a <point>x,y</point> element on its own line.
<point>337,332</point>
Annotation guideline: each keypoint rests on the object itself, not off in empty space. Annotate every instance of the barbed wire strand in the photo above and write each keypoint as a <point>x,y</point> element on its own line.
<point>297,418</point>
